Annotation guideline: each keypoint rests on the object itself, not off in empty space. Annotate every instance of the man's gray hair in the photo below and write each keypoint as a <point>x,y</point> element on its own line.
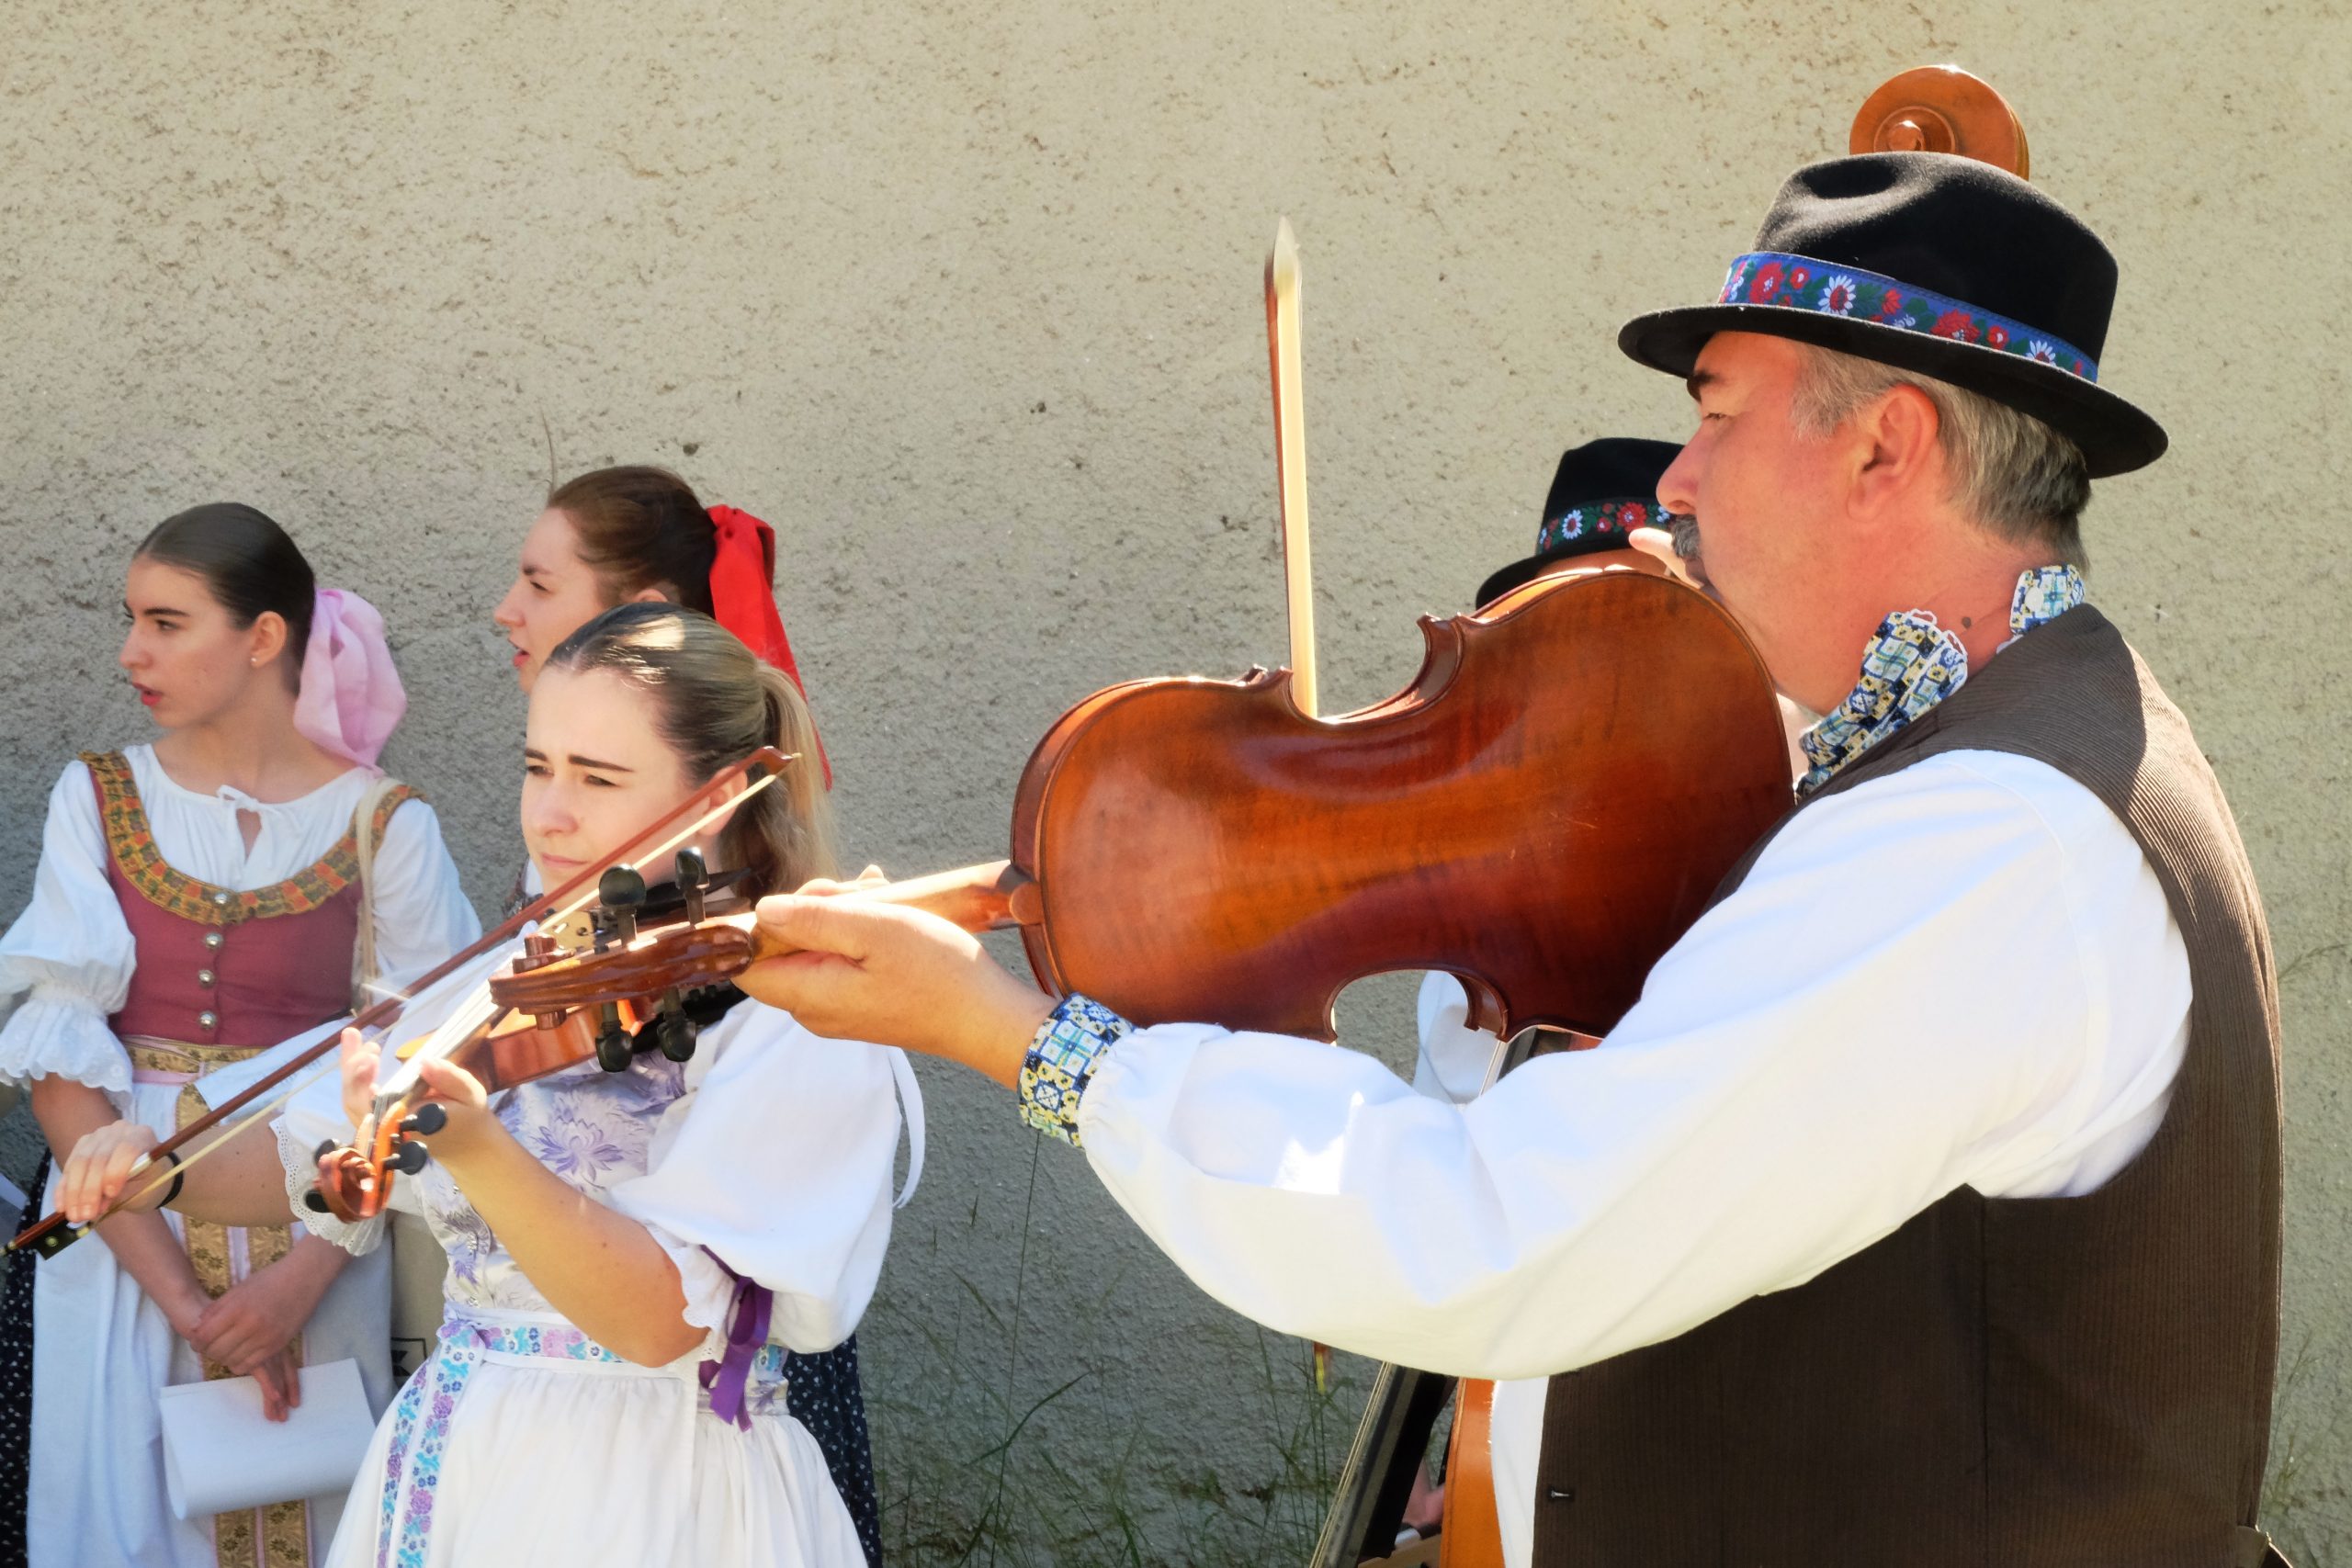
<point>2020,479</point>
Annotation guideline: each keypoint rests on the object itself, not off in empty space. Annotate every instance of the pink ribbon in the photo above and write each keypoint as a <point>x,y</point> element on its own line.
<point>351,698</point>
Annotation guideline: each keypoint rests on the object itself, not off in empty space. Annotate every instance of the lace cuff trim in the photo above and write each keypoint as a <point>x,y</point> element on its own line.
<point>302,1172</point>
<point>710,1290</point>
<point>62,1032</point>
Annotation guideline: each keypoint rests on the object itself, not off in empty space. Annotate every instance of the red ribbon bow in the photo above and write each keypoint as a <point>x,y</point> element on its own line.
<point>742,597</point>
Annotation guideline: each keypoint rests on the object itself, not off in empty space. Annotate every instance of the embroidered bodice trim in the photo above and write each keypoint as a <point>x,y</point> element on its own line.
<point>1911,665</point>
<point>131,841</point>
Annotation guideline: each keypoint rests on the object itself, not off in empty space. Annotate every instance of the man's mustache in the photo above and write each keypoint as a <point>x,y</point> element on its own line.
<point>1685,528</point>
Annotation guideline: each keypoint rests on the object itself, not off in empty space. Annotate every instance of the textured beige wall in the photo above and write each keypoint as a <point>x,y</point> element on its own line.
<point>963,298</point>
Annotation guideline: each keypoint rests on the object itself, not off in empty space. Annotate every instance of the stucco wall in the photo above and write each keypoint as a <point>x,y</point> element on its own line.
<point>964,298</point>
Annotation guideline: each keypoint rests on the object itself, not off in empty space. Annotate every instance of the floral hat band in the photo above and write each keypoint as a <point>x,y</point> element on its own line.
<point>1618,514</point>
<point>1804,283</point>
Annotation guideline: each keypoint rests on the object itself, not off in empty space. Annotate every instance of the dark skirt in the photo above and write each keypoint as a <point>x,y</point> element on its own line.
<point>16,1390</point>
<point>824,1394</point>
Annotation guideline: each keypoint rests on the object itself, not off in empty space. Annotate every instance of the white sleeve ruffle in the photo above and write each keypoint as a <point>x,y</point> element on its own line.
<point>357,1237</point>
<point>780,1165</point>
<point>71,950</point>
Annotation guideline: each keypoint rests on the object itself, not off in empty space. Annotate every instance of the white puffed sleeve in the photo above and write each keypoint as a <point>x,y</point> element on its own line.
<point>779,1163</point>
<point>421,915</point>
<point>70,955</point>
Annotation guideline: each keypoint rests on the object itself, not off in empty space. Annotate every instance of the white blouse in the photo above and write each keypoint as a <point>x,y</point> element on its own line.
<point>771,1148</point>
<point>70,955</point>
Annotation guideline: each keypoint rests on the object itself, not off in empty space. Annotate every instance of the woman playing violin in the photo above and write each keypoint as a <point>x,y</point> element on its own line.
<point>638,534</point>
<point>606,1230</point>
<point>198,899</point>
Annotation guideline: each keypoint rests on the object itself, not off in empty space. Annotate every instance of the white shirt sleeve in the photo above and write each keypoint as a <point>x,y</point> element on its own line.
<point>1454,1058</point>
<point>69,956</point>
<point>780,1163</point>
<point>1961,973</point>
<point>422,915</point>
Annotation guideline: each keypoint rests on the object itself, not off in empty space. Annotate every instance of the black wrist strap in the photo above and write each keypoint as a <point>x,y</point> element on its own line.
<point>171,1193</point>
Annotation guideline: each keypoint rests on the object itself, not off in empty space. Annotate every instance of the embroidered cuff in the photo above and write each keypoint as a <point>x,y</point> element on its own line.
<point>1061,1063</point>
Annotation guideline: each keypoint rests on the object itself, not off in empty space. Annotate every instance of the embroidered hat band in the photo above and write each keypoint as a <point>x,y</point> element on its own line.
<point>1806,283</point>
<point>1617,514</point>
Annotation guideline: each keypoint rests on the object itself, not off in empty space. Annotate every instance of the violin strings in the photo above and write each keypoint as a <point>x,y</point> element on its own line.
<point>444,1040</point>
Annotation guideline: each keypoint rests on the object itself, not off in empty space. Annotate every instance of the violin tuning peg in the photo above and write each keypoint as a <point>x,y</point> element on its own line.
<point>675,1035</point>
<point>326,1147</point>
<point>621,890</point>
<point>315,1201</point>
<point>412,1158</point>
<point>613,1043</point>
<point>694,881</point>
<point>427,1120</point>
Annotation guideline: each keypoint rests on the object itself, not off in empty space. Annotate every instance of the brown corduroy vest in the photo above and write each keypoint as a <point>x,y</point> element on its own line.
<point>2067,1383</point>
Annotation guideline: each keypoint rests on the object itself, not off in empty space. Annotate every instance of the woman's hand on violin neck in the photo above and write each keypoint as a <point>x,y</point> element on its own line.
<point>471,1127</point>
<point>360,1057</point>
<point>893,975</point>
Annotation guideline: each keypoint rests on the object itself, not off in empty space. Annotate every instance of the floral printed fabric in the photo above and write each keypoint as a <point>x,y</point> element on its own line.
<point>1913,664</point>
<point>1619,517</point>
<point>592,1128</point>
<point>1061,1063</point>
<point>1803,283</point>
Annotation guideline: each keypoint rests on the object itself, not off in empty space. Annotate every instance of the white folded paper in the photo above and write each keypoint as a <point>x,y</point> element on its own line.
<point>221,1454</point>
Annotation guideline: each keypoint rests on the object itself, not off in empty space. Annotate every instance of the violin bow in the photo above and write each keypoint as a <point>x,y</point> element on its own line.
<point>1290,478</point>
<point>1290,460</point>
<point>54,1232</point>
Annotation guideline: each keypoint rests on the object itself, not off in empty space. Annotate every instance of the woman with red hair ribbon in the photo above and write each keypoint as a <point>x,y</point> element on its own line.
<point>612,536</point>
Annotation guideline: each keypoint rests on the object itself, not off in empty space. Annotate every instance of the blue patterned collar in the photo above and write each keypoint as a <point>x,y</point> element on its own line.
<point>1913,664</point>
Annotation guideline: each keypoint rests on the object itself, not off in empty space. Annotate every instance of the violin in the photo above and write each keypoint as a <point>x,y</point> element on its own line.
<point>503,1048</point>
<point>556,911</point>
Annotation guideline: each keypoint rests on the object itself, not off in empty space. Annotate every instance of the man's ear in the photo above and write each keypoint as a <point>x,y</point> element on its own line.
<point>1901,451</point>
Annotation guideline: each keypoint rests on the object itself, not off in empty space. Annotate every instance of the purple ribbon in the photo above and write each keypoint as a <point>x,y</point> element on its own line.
<point>747,1331</point>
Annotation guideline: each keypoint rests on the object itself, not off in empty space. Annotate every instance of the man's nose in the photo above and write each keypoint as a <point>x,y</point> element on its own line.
<point>1676,488</point>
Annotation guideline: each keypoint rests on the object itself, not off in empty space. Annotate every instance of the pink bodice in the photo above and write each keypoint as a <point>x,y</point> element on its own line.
<point>217,967</point>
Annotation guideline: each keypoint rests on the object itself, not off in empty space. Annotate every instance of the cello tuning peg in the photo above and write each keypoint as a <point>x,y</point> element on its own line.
<point>621,891</point>
<point>412,1158</point>
<point>694,881</point>
<point>426,1119</point>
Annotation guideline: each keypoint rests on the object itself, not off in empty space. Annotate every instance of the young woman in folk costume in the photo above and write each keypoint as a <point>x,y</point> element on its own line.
<point>606,1230</point>
<point>199,899</point>
<point>636,533</point>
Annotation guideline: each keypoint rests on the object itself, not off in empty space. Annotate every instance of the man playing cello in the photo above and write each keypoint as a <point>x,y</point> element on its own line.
<point>1926,1208</point>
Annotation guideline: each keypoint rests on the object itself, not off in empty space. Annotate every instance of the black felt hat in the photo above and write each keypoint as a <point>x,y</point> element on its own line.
<point>1602,490</point>
<point>1938,265</point>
